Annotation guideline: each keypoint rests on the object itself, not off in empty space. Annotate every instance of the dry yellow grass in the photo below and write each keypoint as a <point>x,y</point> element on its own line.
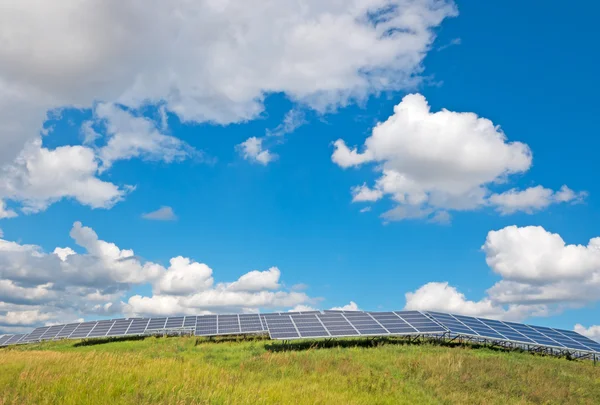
<point>181,371</point>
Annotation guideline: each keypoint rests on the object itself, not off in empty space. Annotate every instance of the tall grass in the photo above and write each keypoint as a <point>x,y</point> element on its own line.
<point>185,371</point>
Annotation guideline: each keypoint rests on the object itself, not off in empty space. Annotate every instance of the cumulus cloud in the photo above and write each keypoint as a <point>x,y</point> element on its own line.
<point>533,199</point>
<point>202,61</point>
<point>132,136</point>
<point>351,306</point>
<point>162,214</point>
<point>441,161</point>
<point>40,176</point>
<point>44,288</point>
<point>5,212</point>
<point>593,332</point>
<point>252,150</point>
<point>540,275</point>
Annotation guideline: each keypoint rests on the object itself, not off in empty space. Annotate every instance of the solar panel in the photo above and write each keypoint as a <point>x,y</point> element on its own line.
<point>156,323</point>
<point>189,322</point>
<point>52,332</point>
<point>206,325</point>
<point>327,324</point>
<point>282,327</point>
<point>138,326</point>
<point>35,335</point>
<point>174,322</point>
<point>4,339</point>
<point>350,323</point>
<point>309,325</point>
<point>119,327</point>
<point>14,339</point>
<point>337,325</point>
<point>518,333</point>
<point>101,328</point>
<point>82,330</point>
<point>67,330</point>
<point>250,323</point>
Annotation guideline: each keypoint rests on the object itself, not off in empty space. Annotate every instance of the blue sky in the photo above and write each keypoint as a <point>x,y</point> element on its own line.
<point>531,72</point>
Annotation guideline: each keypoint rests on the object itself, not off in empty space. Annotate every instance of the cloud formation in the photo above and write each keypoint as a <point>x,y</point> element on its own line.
<point>540,275</point>
<point>252,150</point>
<point>164,213</point>
<point>202,61</point>
<point>435,162</point>
<point>38,287</point>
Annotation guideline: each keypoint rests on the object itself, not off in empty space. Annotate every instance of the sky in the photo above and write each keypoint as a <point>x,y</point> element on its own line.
<point>168,157</point>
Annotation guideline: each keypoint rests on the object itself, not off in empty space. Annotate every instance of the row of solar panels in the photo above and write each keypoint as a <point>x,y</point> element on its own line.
<point>316,324</point>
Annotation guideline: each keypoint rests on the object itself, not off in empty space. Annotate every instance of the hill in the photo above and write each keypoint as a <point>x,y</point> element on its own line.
<point>185,370</point>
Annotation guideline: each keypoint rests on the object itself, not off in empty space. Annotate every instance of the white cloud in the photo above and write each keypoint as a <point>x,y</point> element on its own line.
<point>44,288</point>
<point>130,137</point>
<point>302,308</point>
<point>533,199</point>
<point>442,297</point>
<point>440,161</point>
<point>41,176</point>
<point>593,332</point>
<point>541,275</point>
<point>293,120</point>
<point>366,209</point>
<point>5,212</point>
<point>205,61</point>
<point>252,150</point>
<point>162,214</point>
<point>364,193</point>
<point>351,306</point>
<point>184,277</point>
<point>533,255</point>
<point>257,280</point>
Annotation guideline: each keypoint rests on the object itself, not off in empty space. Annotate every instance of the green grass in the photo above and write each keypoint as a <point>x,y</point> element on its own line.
<point>186,371</point>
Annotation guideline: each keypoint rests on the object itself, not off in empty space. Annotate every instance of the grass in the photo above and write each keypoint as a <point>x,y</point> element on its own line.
<point>185,370</point>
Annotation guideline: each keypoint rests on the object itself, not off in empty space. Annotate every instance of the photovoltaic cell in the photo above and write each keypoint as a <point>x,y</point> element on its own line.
<point>83,329</point>
<point>156,323</point>
<point>101,329</point>
<point>228,324</point>
<point>66,331</point>
<point>52,332</point>
<point>138,326</point>
<point>4,339</point>
<point>119,327</point>
<point>174,322</point>
<point>282,327</point>
<point>35,335</point>
<point>206,325</point>
<point>189,322</point>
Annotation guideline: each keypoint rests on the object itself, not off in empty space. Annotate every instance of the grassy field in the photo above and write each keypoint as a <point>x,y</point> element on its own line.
<point>184,370</point>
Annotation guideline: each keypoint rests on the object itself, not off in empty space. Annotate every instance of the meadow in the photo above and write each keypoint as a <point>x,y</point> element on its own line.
<point>186,370</point>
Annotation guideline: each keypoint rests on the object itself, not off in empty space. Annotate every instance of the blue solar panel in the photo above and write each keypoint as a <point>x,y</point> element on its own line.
<point>67,330</point>
<point>119,328</point>
<point>514,332</point>
<point>138,326</point>
<point>83,329</point>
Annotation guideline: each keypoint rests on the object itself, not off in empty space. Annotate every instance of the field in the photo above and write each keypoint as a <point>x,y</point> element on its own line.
<point>185,370</point>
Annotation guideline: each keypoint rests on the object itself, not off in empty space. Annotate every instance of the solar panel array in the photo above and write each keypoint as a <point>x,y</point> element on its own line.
<point>288,326</point>
<point>317,324</point>
<point>518,333</point>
